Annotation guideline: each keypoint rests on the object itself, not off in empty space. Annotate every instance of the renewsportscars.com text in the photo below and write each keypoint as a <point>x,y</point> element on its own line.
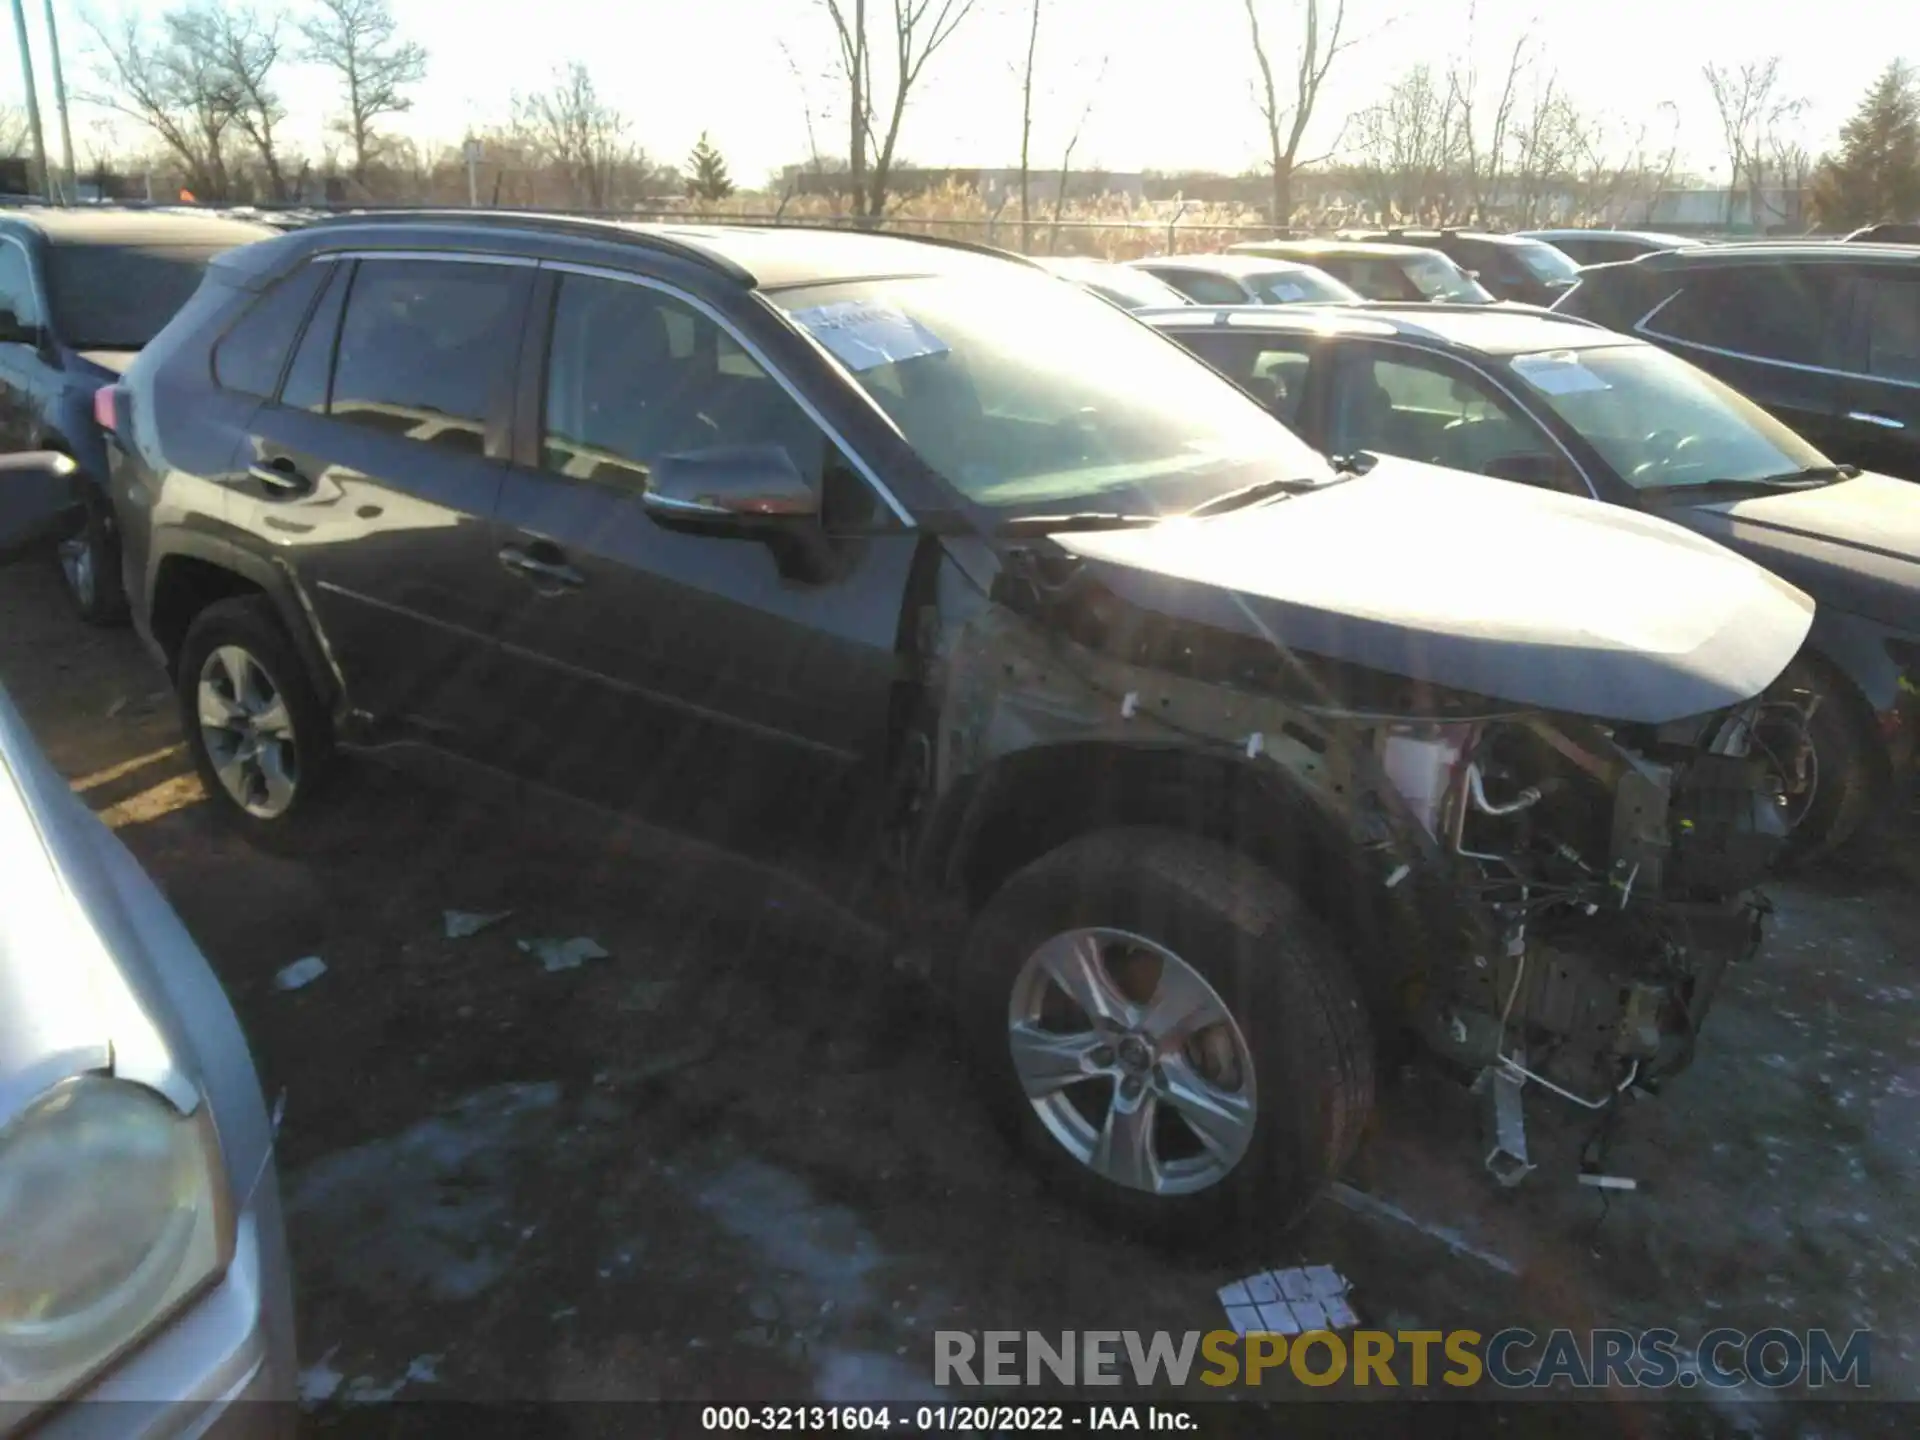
<point>1513,1358</point>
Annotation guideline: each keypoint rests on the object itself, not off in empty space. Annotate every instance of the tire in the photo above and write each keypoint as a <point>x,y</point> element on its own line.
<point>89,562</point>
<point>1295,1013</point>
<point>298,744</point>
<point>1846,768</point>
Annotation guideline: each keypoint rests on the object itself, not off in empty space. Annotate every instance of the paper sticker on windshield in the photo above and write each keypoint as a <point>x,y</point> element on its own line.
<point>1288,291</point>
<point>861,334</point>
<point>1558,373</point>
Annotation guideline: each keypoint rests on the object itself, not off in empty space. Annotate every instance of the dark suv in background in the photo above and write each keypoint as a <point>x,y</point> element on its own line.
<point>860,537</point>
<point>81,291</point>
<point>1512,267</point>
<point>1826,336</point>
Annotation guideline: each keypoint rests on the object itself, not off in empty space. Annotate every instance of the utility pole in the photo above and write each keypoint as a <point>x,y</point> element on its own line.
<point>60,104</point>
<point>33,97</point>
<point>471,150</point>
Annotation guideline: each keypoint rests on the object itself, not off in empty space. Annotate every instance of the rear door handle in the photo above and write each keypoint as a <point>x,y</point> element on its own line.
<point>549,574</point>
<point>1868,417</point>
<point>281,477</point>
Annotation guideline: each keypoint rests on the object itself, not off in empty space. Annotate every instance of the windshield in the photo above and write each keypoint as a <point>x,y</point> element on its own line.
<point>1658,421</point>
<point>1027,394</point>
<point>1438,278</point>
<point>1301,285</point>
<point>1545,262</point>
<point>118,297</point>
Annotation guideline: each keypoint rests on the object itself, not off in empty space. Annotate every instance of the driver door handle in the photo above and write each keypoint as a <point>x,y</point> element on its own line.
<point>1869,417</point>
<point>551,574</point>
<point>280,477</point>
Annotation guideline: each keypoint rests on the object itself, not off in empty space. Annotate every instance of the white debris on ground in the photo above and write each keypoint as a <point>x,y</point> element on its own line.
<point>300,974</point>
<point>1289,1302</point>
<point>564,954</point>
<point>421,1370</point>
<point>319,1382</point>
<point>462,923</point>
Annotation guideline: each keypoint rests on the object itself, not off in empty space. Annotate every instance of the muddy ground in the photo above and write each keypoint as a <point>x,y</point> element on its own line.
<point>738,1158</point>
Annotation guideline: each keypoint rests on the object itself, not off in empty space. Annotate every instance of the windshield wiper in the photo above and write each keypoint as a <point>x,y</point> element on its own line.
<point>1079,520</point>
<point>1252,495</point>
<point>1813,477</point>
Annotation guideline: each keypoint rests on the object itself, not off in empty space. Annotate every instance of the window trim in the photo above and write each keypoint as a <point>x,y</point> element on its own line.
<point>1359,344</point>
<point>1661,337</point>
<point>258,299</point>
<point>746,343</point>
<point>45,320</point>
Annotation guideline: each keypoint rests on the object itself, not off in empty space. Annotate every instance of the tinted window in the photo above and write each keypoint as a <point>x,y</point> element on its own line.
<point>1373,279</point>
<point>250,356</point>
<point>1892,308</point>
<point>1428,408</point>
<point>16,285</point>
<point>1776,312</point>
<point>1271,369</point>
<point>634,374</point>
<point>1207,289</point>
<point>423,348</point>
<point>306,387</point>
<point>118,297</point>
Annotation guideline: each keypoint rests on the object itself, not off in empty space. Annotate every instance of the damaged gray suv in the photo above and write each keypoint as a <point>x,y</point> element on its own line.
<point>1203,766</point>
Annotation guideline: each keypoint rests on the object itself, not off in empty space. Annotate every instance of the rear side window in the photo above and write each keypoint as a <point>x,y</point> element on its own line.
<point>16,286</point>
<point>1772,312</point>
<point>306,384</point>
<point>1207,289</point>
<point>1271,369</point>
<point>424,347</point>
<point>251,355</point>
<point>1892,308</point>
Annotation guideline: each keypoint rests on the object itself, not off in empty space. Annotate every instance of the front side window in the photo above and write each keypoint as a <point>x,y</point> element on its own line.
<point>1272,370</point>
<point>1429,408</point>
<point>250,356</point>
<point>634,374</point>
<point>118,297</point>
<point>1892,308</point>
<point>1771,312</point>
<point>1660,422</point>
<point>1024,394</point>
<point>16,287</point>
<point>1547,262</point>
<point>424,345</point>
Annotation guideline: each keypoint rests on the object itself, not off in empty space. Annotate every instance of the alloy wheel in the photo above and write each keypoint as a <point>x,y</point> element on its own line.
<point>248,732</point>
<point>1132,1061</point>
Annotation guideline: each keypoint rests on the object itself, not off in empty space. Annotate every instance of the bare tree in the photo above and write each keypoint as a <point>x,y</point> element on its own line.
<point>920,28</point>
<point>1551,138</point>
<point>359,41</point>
<point>245,47</point>
<point>1485,161</point>
<point>1066,160</point>
<point>571,128</point>
<point>1026,127</point>
<point>1320,45</point>
<point>13,131</point>
<point>1751,109</point>
<point>1409,147</point>
<point>177,85</point>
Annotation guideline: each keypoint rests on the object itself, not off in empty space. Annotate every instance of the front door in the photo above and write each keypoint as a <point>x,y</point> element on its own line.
<point>697,680</point>
<point>375,473</point>
<point>1883,400</point>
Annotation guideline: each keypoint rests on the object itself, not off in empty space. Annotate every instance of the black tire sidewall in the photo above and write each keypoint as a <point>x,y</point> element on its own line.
<point>1250,951</point>
<point>250,623</point>
<point>109,603</point>
<point>1845,774</point>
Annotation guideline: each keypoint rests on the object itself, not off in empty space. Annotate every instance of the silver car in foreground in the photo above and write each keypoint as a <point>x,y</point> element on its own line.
<point>142,1255</point>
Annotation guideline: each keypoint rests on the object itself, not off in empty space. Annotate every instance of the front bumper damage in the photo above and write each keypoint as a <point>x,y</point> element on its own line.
<point>1547,901</point>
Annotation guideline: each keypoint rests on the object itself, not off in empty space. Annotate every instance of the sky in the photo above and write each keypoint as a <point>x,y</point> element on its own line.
<point>1170,82</point>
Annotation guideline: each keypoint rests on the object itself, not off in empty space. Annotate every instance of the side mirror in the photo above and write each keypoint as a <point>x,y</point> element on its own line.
<point>739,491</point>
<point>40,500</point>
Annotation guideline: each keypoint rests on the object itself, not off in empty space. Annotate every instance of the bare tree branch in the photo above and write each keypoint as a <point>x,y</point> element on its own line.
<point>1286,124</point>
<point>359,41</point>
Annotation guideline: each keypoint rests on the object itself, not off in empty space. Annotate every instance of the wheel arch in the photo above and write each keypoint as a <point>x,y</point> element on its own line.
<point>195,571</point>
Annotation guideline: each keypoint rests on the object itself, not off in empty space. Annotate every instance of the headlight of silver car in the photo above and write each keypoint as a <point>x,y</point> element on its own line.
<point>113,1209</point>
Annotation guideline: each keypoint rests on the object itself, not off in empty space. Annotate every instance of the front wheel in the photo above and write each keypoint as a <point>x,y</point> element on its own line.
<point>1827,775</point>
<point>1169,1034</point>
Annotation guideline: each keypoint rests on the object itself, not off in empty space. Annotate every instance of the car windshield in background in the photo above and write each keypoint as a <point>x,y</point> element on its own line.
<point>1438,278</point>
<point>1027,394</point>
<point>1295,287</point>
<point>1660,422</point>
<point>1544,262</point>
<point>1130,289</point>
<point>118,297</point>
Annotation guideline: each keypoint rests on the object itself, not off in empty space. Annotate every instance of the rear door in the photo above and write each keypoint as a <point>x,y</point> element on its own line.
<point>375,472</point>
<point>1883,397</point>
<point>1278,370</point>
<point>1776,332</point>
<point>693,679</point>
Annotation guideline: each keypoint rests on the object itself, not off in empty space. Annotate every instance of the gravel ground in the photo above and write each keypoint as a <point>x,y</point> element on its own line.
<point>737,1159</point>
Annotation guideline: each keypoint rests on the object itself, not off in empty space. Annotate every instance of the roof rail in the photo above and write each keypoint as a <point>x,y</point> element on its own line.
<point>1468,307</point>
<point>499,219</point>
<point>949,241</point>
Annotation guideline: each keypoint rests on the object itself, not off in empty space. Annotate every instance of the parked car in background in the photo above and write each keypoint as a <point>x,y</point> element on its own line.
<point>736,527</point>
<point>1597,247</point>
<point>1825,336</point>
<point>1377,272</point>
<point>1888,232</point>
<point>1569,406</point>
<point>81,290</point>
<point>144,1285</point>
<point>1245,280</point>
<point>1512,267</point>
<point>1125,286</point>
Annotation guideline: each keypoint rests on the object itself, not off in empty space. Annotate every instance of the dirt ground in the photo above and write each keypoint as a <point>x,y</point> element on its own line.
<point>737,1159</point>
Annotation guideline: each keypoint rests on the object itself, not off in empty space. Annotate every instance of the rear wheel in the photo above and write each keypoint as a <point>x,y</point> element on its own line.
<point>259,735</point>
<point>1169,1034</point>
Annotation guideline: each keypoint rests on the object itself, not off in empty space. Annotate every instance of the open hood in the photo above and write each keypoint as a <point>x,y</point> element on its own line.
<point>1479,585</point>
